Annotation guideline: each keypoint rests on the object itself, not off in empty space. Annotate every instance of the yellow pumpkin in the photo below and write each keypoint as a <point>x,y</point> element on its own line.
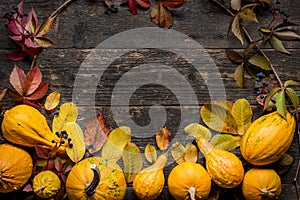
<point>96,179</point>
<point>149,183</point>
<point>26,126</point>
<point>46,184</point>
<point>224,168</point>
<point>261,184</point>
<point>189,180</point>
<point>268,138</point>
<point>15,168</point>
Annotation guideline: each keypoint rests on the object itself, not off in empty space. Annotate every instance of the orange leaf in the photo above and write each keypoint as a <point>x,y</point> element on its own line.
<point>163,138</point>
<point>96,132</point>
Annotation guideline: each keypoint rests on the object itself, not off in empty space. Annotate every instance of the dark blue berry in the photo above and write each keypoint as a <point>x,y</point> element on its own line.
<point>56,113</point>
<point>286,21</point>
<point>70,145</point>
<point>260,74</point>
<point>26,14</point>
<point>261,96</point>
<point>57,134</point>
<point>63,132</point>
<point>5,24</point>
<point>69,140</point>
<point>11,13</point>
<point>15,7</point>
<point>257,79</point>
<point>62,141</point>
<point>256,87</point>
<point>53,141</point>
<point>57,107</point>
<point>277,1</point>
<point>257,92</point>
<point>65,136</point>
<point>265,83</point>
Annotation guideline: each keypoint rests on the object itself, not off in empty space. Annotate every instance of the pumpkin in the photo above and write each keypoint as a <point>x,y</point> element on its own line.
<point>224,168</point>
<point>15,168</point>
<point>257,144</point>
<point>46,184</point>
<point>148,183</point>
<point>260,184</point>
<point>189,180</point>
<point>96,179</point>
<point>26,126</point>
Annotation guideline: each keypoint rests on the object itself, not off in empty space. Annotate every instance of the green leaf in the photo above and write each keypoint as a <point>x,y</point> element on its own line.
<point>74,132</point>
<point>177,152</point>
<point>234,56</point>
<point>280,104</point>
<point>248,14</point>
<point>132,160</point>
<point>198,131</point>
<point>277,45</point>
<point>287,35</point>
<point>226,142</point>
<point>260,61</point>
<point>218,118</point>
<point>269,96</point>
<point>265,31</point>
<point>239,75</point>
<point>150,153</point>
<point>68,113</point>
<point>293,97</point>
<point>115,143</point>
<point>237,29</point>
<point>291,83</point>
<point>242,113</point>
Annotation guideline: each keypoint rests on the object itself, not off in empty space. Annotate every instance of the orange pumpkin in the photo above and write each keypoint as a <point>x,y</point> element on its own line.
<point>96,179</point>
<point>189,180</point>
<point>15,168</point>
<point>261,184</point>
<point>258,146</point>
<point>224,168</point>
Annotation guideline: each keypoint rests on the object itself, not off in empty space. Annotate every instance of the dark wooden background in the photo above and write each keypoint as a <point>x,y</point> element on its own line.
<point>83,25</point>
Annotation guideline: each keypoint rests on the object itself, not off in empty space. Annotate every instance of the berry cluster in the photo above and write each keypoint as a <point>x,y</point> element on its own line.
<point>261,85</point>
<point>14,10</point>
<point>63,137</point>
<point>280,14</point>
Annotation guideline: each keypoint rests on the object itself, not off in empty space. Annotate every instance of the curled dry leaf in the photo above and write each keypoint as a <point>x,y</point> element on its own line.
<point>115,143</point>
<point>96,133</point>
<point>132,160</point>
<point>52,101</point>
<point>163,138</point>
<point>68,113</point>
<point>150,153</point>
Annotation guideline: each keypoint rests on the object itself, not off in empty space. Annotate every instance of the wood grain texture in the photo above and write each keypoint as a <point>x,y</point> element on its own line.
<point>83,25</point>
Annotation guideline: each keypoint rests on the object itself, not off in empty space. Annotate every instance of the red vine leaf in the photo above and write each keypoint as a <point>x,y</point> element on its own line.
<point>40,92</point>
<point>34,79</point>
<point>144,3</point>
<point>96,133</point>
<point>2,93</point>
<point>18,80</point>
<point>132,7</point>
<point>161,15</point>
<point>173,3</point>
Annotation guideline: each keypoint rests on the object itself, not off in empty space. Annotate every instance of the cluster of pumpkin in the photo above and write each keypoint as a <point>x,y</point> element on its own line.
<point>95,178</point>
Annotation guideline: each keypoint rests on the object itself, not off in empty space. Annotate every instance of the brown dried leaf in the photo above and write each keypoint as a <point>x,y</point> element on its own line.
<point>161,15</point>
<point>284,164</point>
<point>132,160</point>
<point>163,138</point>
<point>150,153</point>
<point>96,133</point>
<point>234,56</point>
<point>248,14</point>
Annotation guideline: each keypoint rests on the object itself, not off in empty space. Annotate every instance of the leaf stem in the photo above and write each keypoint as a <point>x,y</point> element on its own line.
<point>251,40</point>
<point>33,62</point>
<point>60,8</point>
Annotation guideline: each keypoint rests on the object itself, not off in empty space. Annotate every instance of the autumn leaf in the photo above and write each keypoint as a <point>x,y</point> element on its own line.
<point>150,153</point>
<point>278,45</point>
<point>173,3</point>
<point>52,101</point>
<point>28,87</point>
<point>248,14</point>
<point>218,118</point>
<point>242,113</point>
<point>284,164</point>
<point>198,131</point>
<point>280,104</point>
<point>2,93</point>
<point>177,152</point>
<point>77,150</point>
<point>96,133</point>
<point>234,56</point>
<point>236,4</point>
<point>190,153</point>
<point>161,15</point>
<point>68,113</point>
<point>226,142</point>
<point>239,75</point>
<point>116,141</point>
<point>132,160</point>
<point>163,138</point>
<point>269,96</point>
<point>133,7</point>
<point>237,29</point>
<point>260,61</point>
<point>293,97</point>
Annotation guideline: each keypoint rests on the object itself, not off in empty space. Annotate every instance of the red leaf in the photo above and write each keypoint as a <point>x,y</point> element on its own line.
<point>161,15</point>
<point>32,51</point>
<point>17,55</point>
<point>58,164</point>
<point>132,7</point>
<point>32,21</point>
<point>14,28</point>
<point>2,93</point>
<point>40,92</point>
<point>18,80</point>
<point>34,79</point>
<point>14,95</point>
<point>96,132</point>
<point>144,3</point>
<point>173,3</point>
<point>41,152</point>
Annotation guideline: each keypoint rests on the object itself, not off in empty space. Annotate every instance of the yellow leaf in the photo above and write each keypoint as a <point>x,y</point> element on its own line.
<point>163,138</point>
<point>242,113</point>
<point>197,130</point>
<point>116,141</point>
<point>191,153</point>
<point>77,151</point>
<point>52,100</point>
<point>68,113</point>
<point>150,153</point>
<point>226,142</point>
<point>177,152</point>
<point>132,160</point>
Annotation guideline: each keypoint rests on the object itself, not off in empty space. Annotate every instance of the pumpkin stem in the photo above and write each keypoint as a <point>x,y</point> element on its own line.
<point>91,188</point>
<point>266,193</point>
<point>192,192</point>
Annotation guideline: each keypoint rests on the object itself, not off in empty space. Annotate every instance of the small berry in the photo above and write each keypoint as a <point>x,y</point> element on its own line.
<point>69,140</point>
<point>57,134</point>
<point>15,7</point>
<point>62,141</point>
<point>265,83</point>
<point>53,141</point>
<point>57,107</point>
<point>11,13</point>
<point>286,21</point>
<point>25,14</point>
<point>258,92</point>
<point>5,24</point>
<point>56,113</point>
<point>63,132</point>
<point>261,96</point>
<point>70,145</point>
<point>257,79</point>
<point>65,136</point>
<point>256,87</point>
